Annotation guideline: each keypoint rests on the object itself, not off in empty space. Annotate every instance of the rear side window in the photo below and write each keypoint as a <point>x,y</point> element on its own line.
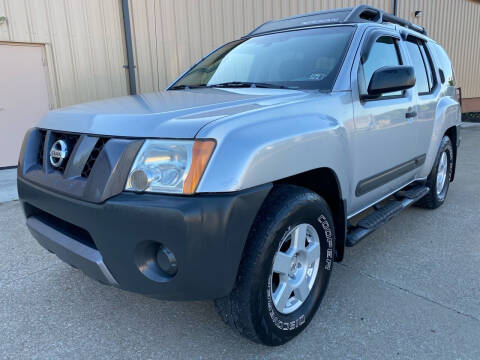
<point>422,65</point>
<point>445,65</point>
<point>427,59</point>
<point>384,52</point>
<point>419,66</point>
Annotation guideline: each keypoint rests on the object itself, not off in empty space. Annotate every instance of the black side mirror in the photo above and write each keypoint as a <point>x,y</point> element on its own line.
<point>390,79</point>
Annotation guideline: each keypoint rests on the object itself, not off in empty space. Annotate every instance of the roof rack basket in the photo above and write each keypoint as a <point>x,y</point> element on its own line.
<point>359,14</point>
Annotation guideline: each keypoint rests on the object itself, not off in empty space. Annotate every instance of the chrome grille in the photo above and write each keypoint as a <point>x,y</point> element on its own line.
<point>48,138</point>
<point>82,154</point>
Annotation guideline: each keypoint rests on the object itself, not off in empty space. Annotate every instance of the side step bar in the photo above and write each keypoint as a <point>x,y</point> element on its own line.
<point>381,215</point>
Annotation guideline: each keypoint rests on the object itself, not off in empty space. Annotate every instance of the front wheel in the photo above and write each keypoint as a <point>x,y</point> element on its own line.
<point>285,268</point>
<point>439,179</point>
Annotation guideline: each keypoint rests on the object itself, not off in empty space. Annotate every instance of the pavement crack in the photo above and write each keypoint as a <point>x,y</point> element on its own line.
<point>29,274</point>
<point>373,277</point>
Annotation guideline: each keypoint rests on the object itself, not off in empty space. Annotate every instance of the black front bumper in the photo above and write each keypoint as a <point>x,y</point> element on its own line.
<point>115,241</point>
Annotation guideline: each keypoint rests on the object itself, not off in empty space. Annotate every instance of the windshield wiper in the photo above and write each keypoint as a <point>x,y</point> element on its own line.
<point>235,84</point>
<point>187,87</point>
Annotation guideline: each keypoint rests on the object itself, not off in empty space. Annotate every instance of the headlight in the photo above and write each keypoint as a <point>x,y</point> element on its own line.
<point>170,166</point>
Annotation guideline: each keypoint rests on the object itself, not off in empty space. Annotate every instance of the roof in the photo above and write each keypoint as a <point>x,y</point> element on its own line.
<point>359,14</point>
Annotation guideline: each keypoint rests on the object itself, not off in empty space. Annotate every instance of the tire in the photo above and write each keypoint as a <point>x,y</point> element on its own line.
<point>251,308</point>
<point>438,190</point>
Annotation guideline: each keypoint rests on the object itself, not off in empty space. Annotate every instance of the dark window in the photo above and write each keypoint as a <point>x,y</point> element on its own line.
<point>418,63</point>
<point>445,65</point>
<point>427,59</point>
<point>384,52</point>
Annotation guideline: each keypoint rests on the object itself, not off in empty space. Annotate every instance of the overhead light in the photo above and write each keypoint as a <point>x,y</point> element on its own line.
<point>418,13</point>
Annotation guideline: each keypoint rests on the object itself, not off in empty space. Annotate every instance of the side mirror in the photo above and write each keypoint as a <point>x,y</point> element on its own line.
<point>390,79</point>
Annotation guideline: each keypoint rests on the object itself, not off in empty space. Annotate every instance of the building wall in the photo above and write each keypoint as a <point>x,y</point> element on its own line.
<point>85,46</point>
<point>84,43</point>
<point>170,35</point>
<point>455,24</point>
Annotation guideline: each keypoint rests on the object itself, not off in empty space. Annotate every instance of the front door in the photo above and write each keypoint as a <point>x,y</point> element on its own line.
<point>384,142</point>
<point>23,96</point>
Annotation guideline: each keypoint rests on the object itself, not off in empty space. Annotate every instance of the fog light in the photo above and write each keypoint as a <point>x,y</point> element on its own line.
<point>166,260</point>
<point>155,261</point>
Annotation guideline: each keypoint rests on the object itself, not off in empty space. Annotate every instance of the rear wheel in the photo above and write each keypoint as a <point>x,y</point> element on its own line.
<point>285,269</point>
<point>439,179</point>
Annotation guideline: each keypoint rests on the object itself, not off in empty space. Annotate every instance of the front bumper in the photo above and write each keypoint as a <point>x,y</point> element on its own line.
<point>115,241</point>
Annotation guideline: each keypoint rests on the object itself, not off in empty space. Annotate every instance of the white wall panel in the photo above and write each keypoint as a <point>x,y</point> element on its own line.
<point>84,42</point>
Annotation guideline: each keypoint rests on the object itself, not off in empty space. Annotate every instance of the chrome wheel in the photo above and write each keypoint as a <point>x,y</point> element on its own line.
<point>442,172</point>
<point>295,268</point>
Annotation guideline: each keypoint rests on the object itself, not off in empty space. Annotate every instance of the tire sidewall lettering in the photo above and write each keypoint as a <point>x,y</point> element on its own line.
<point>301,318</point>
<point>282,325</point>
<point>329,237</point>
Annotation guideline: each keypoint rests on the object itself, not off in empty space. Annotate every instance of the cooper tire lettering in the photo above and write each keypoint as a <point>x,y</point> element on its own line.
<point>329,237</point>
<point>285,326</point>
<point>251,308</point>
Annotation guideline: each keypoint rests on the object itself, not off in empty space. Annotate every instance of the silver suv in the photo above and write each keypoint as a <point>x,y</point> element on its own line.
<point>246,178</point>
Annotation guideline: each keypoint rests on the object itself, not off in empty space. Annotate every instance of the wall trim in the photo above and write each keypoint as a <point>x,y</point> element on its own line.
<point>471,105</point>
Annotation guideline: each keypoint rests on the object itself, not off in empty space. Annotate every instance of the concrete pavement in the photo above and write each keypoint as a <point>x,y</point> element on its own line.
<point>411,290</point>
<point>8,185</point>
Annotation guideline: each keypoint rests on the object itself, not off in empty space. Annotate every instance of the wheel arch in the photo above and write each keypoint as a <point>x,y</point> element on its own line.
<point>324,181</point>
<point>452,133</point>
<point>447,118</point>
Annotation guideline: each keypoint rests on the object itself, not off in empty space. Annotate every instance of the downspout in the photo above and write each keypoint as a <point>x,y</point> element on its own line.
<point>395,7</point>
<point>128,45</point>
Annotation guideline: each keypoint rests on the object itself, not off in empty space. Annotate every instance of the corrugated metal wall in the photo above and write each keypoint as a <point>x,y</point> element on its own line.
<point>171,35</point>
<point>455,24</point>
<point>84,44</point>
<point>86,50</point>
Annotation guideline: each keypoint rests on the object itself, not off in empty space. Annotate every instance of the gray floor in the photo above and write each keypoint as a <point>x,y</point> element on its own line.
<point>8,185</point>
<point>409,291</point>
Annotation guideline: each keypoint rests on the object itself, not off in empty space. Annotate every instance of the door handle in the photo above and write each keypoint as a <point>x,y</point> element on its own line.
<point>411,114</point>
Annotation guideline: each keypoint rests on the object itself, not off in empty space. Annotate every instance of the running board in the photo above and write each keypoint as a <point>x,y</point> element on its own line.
<point>381,215</point>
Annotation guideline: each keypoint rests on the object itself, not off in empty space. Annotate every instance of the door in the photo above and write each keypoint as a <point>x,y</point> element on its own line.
<point>426,89</point>
<point>23,96</point>
<point>385,151</point>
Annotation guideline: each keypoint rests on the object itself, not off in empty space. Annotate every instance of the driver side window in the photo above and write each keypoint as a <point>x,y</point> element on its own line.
<point>384,52</point>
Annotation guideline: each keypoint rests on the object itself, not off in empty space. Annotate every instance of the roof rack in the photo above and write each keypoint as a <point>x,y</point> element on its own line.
<point>359,14</point>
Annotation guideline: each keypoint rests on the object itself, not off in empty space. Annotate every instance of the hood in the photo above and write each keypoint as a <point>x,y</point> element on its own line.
<point>165,114</point>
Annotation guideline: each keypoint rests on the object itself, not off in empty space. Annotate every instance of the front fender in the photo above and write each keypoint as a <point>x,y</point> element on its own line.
<point>275,143</point>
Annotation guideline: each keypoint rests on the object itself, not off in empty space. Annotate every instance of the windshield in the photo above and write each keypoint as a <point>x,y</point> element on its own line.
<point>303,59</point>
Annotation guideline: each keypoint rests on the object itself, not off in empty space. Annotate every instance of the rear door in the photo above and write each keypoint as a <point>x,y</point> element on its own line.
<point>384,147</point>
<point>426,89</point>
